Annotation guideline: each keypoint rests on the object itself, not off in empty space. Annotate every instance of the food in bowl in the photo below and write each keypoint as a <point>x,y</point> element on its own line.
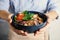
<point>28,19</point>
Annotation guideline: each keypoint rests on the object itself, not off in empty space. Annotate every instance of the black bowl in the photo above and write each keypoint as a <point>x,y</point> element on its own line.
<point>30,29</point>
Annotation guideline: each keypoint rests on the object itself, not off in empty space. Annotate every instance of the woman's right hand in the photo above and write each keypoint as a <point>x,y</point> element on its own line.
<point>19,32</point>
<point>7,16</point>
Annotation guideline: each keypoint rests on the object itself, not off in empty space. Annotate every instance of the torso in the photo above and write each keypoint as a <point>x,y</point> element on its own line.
<point>30,5</point>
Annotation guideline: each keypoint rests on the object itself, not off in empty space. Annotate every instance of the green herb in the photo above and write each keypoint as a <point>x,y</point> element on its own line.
<point>15,18</point>
<point>25,12</point>
<point>28,15</point>
<point>25,18</point>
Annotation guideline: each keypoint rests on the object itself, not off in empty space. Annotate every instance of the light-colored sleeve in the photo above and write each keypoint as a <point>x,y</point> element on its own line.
<point>4,5</point>
<point>54,5</point>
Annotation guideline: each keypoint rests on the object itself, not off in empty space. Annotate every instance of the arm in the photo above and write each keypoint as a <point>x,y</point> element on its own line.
<point>4,14</point>
<point>4,6</point>
<point>53,11</point>
<point>52,15</point>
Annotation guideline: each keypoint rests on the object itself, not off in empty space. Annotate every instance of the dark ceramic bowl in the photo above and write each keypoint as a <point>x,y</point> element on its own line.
<point>30,29</point>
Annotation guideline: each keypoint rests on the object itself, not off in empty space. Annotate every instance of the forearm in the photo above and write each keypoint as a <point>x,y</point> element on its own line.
<point>52,14</point>
<point>4,14</point>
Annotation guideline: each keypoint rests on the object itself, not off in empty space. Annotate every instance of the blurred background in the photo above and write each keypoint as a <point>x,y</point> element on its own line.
<point>54,30</point>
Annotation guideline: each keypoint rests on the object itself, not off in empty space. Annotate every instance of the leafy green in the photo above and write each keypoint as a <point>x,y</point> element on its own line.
<point>25,12</point>
<point>28,15</point>
<point>15,18</point>
<point>25,18</point>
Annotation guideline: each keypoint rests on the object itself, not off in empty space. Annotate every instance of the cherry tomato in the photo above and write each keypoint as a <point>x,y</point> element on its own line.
<point>20,16</point>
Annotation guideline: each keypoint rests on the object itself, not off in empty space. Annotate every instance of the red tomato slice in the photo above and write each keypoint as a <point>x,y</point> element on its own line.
<point>20,16</point>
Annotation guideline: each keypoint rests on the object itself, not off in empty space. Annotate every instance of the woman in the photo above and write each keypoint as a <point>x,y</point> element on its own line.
<point>9,7</point>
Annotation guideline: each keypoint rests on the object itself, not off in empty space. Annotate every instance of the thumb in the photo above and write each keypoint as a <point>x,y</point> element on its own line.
<point>9,18</point>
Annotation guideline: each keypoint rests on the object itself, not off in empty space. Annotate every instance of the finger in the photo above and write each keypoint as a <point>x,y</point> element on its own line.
<point>21,31</point>
<point>36,33</point>
<point>39,30</point>
<point>26,33</point>
<point>9,18</point>
<point>11,21</point>
<point>17,31</point>
<point>44,28</point>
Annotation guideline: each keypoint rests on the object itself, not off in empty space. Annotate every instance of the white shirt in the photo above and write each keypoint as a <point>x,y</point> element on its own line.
<point>42,6</point>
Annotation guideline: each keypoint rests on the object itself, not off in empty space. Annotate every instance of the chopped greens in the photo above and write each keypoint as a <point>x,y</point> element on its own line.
<point>15,18</point>
<point>25,15</point>
<point>27,18</point>
<point>28,15</point>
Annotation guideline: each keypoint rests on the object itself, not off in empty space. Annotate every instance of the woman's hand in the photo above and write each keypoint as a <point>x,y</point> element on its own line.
<point>19,32</point>
<point>51,17</point>
<point>4,14</point>
<point>41,30</point>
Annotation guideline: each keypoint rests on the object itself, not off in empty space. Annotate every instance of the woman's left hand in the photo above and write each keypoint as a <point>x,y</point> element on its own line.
<point>41,30</point>
<point>51,17</point>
